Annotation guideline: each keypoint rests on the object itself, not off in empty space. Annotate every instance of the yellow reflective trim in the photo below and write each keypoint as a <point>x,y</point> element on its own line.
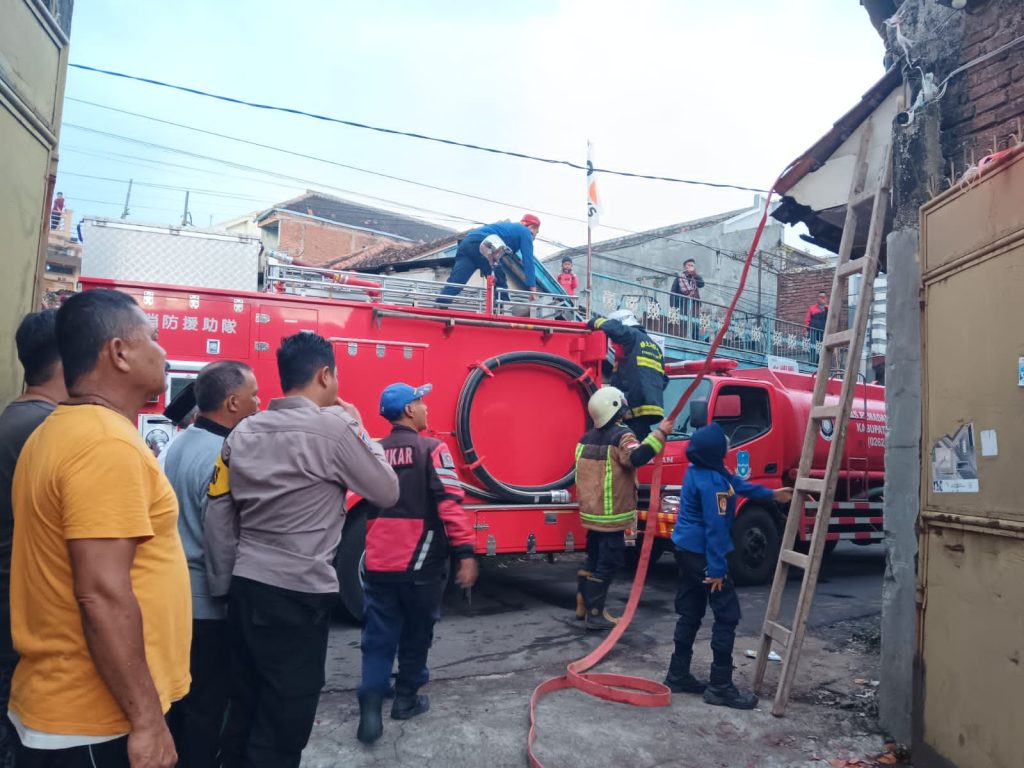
<point>646,362</point>
<point>646,410</point>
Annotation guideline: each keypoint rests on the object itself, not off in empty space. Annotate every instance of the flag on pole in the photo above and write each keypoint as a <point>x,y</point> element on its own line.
<point>593,201</point>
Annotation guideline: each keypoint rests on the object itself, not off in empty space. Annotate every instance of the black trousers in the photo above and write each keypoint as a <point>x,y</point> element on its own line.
<point>109,754</point>
<point>606,553</point>
<point>693,597</point>
<point>469,260</point>
<point>198,719</point>
<point>278,646</point>
<point>398,619</point>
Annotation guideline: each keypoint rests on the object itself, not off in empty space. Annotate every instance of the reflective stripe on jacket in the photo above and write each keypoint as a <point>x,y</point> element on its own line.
<point>640,372</point>
<point>606,462</point>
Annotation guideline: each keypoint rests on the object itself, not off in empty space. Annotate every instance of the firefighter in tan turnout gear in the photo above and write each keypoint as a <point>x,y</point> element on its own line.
<point>606,460</point>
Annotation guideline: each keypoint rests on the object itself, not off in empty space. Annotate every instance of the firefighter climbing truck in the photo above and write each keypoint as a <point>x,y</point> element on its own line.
<point>509,398</point>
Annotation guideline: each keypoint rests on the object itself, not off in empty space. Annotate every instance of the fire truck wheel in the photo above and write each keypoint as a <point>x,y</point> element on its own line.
<point>348,564</point>
<point>756,537</point>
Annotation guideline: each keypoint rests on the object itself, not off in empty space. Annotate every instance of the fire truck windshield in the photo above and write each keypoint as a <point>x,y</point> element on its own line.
<point>675,389</point>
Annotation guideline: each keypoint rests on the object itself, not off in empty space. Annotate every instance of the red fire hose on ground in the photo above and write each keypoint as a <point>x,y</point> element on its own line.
<point>628,689</point>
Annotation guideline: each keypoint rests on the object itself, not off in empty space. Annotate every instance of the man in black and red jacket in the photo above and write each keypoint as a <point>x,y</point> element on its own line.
<point>408,547</point>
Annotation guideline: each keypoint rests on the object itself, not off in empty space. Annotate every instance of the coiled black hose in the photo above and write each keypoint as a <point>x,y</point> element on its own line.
<point>541,494</point>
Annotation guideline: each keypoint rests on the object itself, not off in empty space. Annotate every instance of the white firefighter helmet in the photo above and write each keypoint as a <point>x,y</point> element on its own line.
<point>493,248</point>
<point>624,316</point>
<point>605,404</point>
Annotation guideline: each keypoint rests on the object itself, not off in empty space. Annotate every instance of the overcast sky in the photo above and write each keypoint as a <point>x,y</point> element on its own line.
<point>727,91</point>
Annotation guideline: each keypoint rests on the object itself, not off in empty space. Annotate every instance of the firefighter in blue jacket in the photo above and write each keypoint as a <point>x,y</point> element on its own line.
<point>495,240</point>
<point>703,540</point>
<point>639,369</point>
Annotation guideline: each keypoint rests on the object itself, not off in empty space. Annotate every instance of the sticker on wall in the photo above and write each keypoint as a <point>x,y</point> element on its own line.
<point>743,465</point>
<point>955,462</point>
<point>1020,371</point>
<point>989,443</point>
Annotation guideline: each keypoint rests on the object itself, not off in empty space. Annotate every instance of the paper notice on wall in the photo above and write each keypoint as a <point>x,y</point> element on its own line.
<point>955,462</point>
<point>989,443</point>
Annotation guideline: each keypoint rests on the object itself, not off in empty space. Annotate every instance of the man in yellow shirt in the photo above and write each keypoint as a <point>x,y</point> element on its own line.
<point>100,605</point>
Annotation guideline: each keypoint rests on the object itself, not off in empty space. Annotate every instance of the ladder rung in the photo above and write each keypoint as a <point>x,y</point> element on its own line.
<point>850,268</point>
<point>825,412</point>
<point>777,632</point>
<point>839,339</point>
<point>810,484</point>
<point>792,557</point>
<point>862,197</point>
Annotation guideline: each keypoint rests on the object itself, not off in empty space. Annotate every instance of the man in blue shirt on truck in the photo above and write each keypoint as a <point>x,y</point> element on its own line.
<point>703,540</point>
<point>482,250</point>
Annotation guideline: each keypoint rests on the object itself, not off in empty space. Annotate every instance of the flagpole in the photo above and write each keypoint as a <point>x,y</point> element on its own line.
<point>590,264</point>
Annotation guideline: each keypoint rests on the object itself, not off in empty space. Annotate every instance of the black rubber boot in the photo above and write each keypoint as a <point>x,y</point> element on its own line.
<point>409,705</point>
<point>722,693</point>
<point>679,679</point>
<point>581,582</point>
<point>371,726</point>
<point>594,595</point>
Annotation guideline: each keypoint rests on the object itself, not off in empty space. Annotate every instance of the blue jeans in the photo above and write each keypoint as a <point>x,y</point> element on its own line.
<point>469,260</point>
<point>398,619</point>
<point>606,553</point>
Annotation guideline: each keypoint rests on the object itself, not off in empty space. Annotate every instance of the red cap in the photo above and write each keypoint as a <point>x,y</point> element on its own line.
<point>530,220</point>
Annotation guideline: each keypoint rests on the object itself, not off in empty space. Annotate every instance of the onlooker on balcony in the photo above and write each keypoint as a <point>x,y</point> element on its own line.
<point>57,212</point>
<point>686,298</point>
<point>814,323</point>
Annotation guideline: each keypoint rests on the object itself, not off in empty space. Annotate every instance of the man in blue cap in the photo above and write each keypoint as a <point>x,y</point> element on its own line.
<point>408,547</point>
<point>703,540</point>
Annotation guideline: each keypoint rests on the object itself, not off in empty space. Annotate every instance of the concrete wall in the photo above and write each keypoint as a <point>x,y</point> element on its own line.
<point>718,249</point>
<point>977,114</point>
<point>33,63</point>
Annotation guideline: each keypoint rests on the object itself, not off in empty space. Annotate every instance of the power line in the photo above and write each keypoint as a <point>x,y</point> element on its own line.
<point>408,134</point>
<point>392,177</point>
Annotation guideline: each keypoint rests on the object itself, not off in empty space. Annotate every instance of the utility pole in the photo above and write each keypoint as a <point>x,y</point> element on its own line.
<point>760,271</point>
<point>186,217</point>
<point>127,197</point>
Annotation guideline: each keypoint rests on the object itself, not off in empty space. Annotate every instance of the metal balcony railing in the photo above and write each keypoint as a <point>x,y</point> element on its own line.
<point>672,315</point>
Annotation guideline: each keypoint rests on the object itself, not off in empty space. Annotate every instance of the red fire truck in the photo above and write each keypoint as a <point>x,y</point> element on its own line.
<point>509,398</point>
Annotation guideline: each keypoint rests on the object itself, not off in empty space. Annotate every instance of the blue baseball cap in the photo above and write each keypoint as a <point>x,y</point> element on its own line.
<point>396,396</point>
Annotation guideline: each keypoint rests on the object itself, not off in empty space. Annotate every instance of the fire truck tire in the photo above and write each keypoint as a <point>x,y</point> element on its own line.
<point>756,538</point>
<point>348,563</point>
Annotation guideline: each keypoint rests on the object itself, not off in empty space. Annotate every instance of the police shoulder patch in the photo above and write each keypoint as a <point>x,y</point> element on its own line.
<point>723,501</point>
<point>220,483</point>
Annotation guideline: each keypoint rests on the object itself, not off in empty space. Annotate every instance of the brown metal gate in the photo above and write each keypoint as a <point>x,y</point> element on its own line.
<point>969,681</point>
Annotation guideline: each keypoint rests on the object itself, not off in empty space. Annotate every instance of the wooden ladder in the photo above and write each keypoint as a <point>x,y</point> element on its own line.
<point>806,486</point>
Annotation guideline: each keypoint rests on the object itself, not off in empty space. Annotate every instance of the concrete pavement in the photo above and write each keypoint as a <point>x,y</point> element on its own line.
<point>489,656</point>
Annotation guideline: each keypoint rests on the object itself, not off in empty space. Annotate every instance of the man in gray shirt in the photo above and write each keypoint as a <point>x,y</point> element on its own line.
<point>225,393</point>
<point>36,340</point>
<point>273,524</point>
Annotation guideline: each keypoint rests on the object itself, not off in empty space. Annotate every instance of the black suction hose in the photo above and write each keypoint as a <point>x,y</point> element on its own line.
<point>549,493</point>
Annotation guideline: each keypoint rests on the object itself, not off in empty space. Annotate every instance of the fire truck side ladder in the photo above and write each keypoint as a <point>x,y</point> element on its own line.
<point>833,341</point>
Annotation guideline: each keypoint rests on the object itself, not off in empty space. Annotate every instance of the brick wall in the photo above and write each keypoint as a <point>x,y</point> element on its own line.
<point>318,242</point>
<point>984,106</point>
<point>799,289</point>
